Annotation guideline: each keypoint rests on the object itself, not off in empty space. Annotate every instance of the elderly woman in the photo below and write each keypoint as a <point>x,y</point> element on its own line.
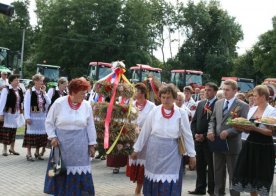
<point>11,113</point>
<point>255,166</point>
<point>35,105</point>
<point>160,131</point>
<point>70,125</point>
<point>179,102</point>
<point>135,168</point>
<point>59,91</point>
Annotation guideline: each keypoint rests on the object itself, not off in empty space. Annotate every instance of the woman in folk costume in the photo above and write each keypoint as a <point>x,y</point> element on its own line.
<point>160,131</point>
<point>59,91</point>
<point>11,113</point>
<point>255,166</point>
<point>70,125</point>
<point>135,168</point>
<point>35,104</point>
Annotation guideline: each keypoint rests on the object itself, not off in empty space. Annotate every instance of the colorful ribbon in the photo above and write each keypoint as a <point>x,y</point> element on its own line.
<point>116,140</point>
<point>117,79</point>
<point>153,88</point>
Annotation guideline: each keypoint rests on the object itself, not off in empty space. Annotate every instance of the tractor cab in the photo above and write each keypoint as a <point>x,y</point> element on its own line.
<point>182,78</point>
<point>141,72</point>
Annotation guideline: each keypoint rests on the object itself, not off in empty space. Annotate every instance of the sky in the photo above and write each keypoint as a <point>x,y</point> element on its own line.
<point>255,17</point>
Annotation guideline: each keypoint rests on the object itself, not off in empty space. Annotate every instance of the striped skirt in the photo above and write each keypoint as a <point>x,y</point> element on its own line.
<point>135,173</point>
<point>7,135</point>
<point>35,140</point>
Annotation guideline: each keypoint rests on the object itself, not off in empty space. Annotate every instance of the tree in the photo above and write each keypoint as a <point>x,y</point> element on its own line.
<point>72,33</point>
<point>264,53</point>
<point>11,29</point>
<point>211,41</point>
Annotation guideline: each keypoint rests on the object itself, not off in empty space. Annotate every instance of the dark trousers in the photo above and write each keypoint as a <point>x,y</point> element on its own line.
<point>204,158</point>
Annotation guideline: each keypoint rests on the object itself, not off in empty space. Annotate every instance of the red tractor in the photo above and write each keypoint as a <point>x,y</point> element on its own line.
<point>182,78</point>
<point>140,72</point>
<point>98,70</point>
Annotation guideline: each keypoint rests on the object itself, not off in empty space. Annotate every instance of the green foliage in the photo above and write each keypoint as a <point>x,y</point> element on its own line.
<point>211,41</point>
<point>11,29</point>
<point>259,62</point>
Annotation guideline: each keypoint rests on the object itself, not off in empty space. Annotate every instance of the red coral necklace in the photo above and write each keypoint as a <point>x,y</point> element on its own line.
<point>165,115</point>
<point>141,106</point>
<point>72,105</point>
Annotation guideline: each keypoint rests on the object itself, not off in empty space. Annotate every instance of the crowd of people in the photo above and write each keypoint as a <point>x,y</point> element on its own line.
<point>63,119</point>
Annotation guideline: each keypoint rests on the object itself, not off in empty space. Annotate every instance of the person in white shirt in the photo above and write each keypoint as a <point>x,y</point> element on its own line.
<point>179,102</point>
<point>35,107</point>
<point>189,102</point>
<point>135,168</point>
<point>70,126</point>
<point>164,125</point>
<point>59,91</point>
<point>3,80</point>
<point>11,116</point>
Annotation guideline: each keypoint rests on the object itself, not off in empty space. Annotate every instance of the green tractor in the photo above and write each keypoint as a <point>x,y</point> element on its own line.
<point>7,59</point>
<point>51,74</point>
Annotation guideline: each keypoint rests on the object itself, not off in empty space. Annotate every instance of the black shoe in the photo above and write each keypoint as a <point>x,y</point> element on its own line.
<point>116,170</point>
<point>195,192</point>
<point>98,156</point>
<point>5,154</point>
<point>13,152</point>
<point>37,156</point>
<point>103,158</point>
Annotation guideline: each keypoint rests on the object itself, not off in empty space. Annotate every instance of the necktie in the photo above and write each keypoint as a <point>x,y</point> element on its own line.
<point>225,109</point>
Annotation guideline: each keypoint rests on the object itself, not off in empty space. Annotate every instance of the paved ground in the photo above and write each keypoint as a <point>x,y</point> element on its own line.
<point>20,177</point>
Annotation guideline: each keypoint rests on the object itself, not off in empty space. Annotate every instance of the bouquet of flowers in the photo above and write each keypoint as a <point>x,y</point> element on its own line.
<point>104,88</point>
<point>119,111</point>
<point>125,90</point>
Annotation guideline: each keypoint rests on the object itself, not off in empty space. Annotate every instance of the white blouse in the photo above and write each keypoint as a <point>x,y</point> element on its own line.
<point>51,92</point>
<point>157,125</point>
<point>144,113</point>
<point>62,116</point>
<point>270,111</point>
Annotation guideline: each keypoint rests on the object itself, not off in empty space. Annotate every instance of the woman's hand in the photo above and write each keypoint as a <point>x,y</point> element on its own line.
<point>28,121</point>
<point>1,118</point>
<point>192,163</point>
<point>91,150</point>
<point>134,155</point>
<point>54,142</point>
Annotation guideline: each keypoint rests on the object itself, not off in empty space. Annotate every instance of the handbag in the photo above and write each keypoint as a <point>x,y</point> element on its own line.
<point>57,167</point>
<point>180,141</point>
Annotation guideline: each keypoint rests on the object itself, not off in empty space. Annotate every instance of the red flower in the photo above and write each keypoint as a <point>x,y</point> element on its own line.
<point>193,107</point>
<point>108,88</point>
<point>124,110</point>
<point>124,131</point>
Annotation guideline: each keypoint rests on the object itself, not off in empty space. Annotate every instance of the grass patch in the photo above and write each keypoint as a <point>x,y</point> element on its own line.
<point>21,130</point>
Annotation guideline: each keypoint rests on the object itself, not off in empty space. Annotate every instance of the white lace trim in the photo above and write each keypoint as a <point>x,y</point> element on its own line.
<point>78,169</point>
<point>161,177</point>
<point>249,188</point>
<point>136,162</point>
<point>13,126</point>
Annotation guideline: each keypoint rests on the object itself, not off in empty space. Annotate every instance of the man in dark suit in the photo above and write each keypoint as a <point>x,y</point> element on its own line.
<point>230,107</point>
<point>199,127</point>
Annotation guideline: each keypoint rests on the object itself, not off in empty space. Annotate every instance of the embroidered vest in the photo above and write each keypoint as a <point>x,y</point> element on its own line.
<point>34,102</point>
<point>11,101</point>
